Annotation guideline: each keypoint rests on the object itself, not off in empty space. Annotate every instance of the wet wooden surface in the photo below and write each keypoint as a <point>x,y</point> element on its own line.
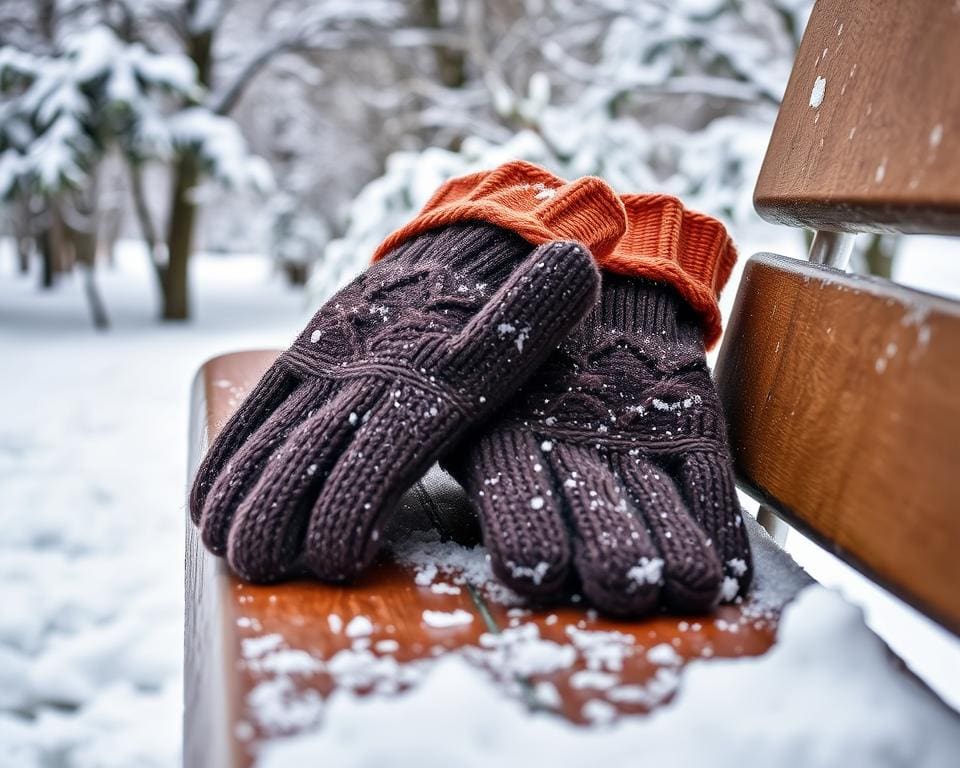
<point>842,395</point>
<point>868,133</point>
<point>251,649</point>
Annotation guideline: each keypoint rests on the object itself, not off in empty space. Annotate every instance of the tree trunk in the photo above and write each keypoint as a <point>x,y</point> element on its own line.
<point>53,246</point>
<point>80,227</point>
<point>451,63</point>
<point>85,244</point>
<point>47,270</point>
<point>176,277</point>
<point>158,259</point>
<point>22,234</point>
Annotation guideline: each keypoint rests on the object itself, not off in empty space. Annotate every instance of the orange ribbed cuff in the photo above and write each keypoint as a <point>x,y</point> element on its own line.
<point>528,200</point>
<point>689,250</point>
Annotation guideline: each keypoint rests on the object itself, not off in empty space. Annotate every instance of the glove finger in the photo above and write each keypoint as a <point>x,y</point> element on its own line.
<point>266,535</point>
<point>404,433</point>
<point>273,388</point>
<point>526,318</point>
<point>692,575</point>
<point>510,484</point>
<point>618,563</point>
<point>706,481</point>
<point>243,468</point>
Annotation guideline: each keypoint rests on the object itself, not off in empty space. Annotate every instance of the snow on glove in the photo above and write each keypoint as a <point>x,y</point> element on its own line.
<point>456,312</point>
<point>613,461</point>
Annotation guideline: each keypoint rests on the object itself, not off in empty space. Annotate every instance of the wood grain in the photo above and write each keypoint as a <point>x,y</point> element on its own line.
<point>227,617</point>
<point>841,394</point>
<point>881,152</point>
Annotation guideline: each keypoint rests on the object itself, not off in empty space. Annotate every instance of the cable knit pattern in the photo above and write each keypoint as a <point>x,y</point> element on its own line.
<point>386,377</point>
<point>528,200</point>
<point>612,464</point>
<point>663,240</point>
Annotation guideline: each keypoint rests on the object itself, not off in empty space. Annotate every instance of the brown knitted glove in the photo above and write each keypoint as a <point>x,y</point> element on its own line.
<point>390,373</point>
<point>613,461</point>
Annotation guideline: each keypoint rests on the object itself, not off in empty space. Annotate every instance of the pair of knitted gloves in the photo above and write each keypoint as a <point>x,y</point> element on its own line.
<point>574,405</point>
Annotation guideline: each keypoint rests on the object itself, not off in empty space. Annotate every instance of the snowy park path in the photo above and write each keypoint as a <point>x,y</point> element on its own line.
<point>92,470</point>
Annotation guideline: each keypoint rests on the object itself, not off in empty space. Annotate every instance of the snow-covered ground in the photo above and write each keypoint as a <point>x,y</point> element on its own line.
<point>92,474</point>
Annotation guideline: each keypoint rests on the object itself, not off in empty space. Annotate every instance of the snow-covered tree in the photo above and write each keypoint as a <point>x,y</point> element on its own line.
<point>673,97</point>
<point>62,113</point>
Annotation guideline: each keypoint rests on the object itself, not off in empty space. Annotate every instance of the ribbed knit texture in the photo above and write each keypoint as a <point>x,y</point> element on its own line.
<point>386,377</point>
<point>528,200</point>
<point>668,243</point>
<point>612,465</point>
<point>663,240</point>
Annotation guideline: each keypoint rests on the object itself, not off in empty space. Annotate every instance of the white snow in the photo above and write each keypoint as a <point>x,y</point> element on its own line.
<point>359,626</point>
<point>818,91</point>
<point>442,588</point>
<point>521,651</point>
<point>881,171</point>
<point>447,619</point>
<point>936,135</point>
<point>463,565</point>
<point>663,655</point>
<point>588,678</point>
<point>831,685</point>
<point>647,571</point>
<point>533,573</point>
<point>737,565</point>
<point>729,589</point>
<point>92,496</point>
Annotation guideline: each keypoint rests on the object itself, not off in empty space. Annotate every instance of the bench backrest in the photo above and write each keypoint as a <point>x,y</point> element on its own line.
<point>843,392</point>
<point>868,134</point>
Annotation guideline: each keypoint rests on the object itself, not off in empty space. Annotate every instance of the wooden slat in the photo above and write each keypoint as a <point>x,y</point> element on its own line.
<point>882,150</point>
<point>221,725</point>
<point>843,400</point>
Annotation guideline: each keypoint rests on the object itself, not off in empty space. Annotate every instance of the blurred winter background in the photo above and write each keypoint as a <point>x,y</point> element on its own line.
<point>183,177</point>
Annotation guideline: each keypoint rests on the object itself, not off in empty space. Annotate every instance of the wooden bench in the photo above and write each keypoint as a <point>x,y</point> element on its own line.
<point>841,391</point>
<point>227,617</point>
<point>841,397</point>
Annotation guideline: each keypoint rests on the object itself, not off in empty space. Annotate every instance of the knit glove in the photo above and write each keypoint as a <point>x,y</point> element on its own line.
<point>613,461</point>
<point>458,310</point>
